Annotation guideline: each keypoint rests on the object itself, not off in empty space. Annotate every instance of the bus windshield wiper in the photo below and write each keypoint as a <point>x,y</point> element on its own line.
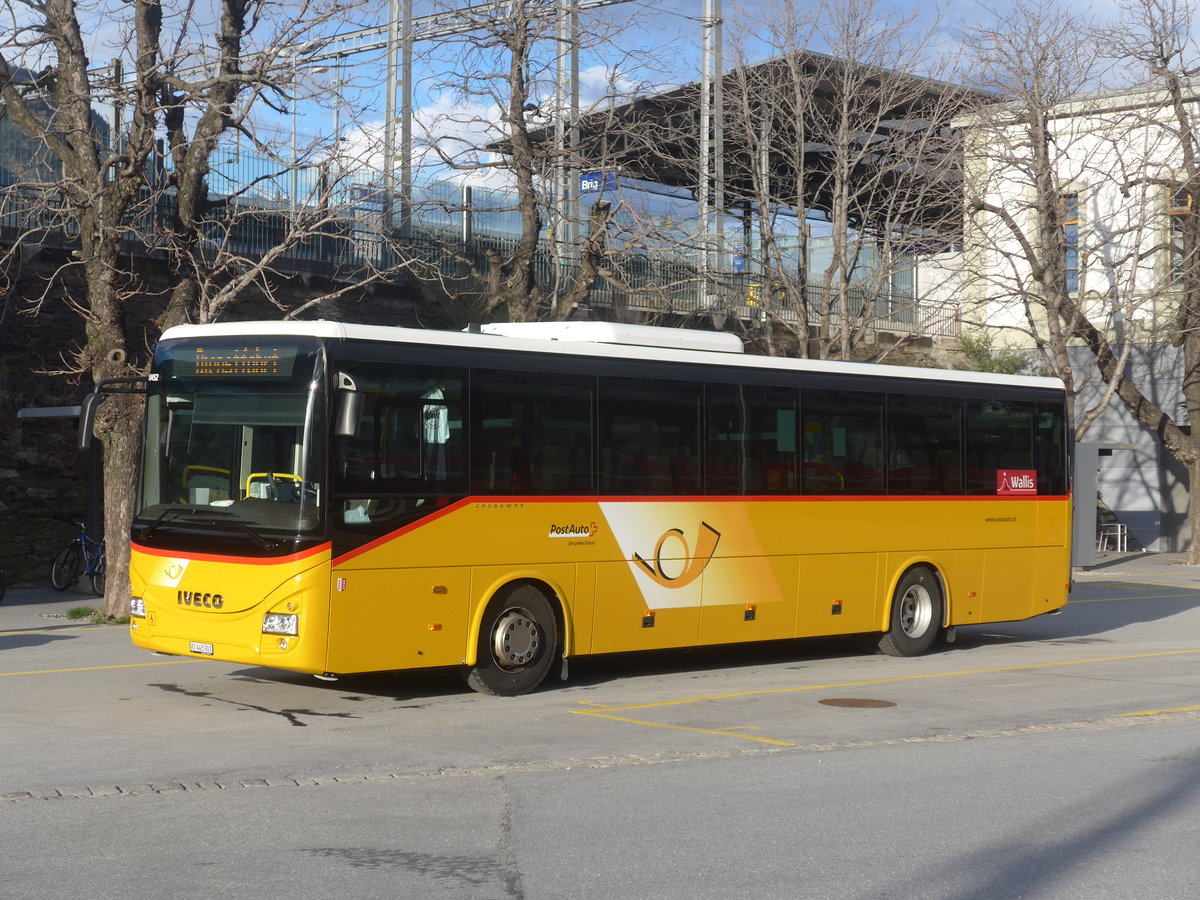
<point>211,517</point>
<point>162,517</point>
<point>254,535</point>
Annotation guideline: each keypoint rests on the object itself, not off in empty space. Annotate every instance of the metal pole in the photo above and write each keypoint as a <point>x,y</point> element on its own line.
<point>702,186</point>
<point>718,127</point>
<point>562,226</point>
<point>467,226</point>
<point>573,219</point>
<point>295,191</point>
<point>337,108</point>
<point>118,110</point>
<point>389,114</point>
<point>406,110</point>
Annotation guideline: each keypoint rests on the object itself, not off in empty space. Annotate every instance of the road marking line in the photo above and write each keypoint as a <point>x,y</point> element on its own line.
<point>745,737</point>
<point>1189,595</point>
<point>894,679</point>
<point>1159,712</point>
<point>53,629</point>
<point>169,662</point>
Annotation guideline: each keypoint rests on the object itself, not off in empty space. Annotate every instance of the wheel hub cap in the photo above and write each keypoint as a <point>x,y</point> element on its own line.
<point>516,639</point>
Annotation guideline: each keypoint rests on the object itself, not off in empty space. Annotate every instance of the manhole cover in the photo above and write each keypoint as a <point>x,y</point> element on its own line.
<point>858,703</point>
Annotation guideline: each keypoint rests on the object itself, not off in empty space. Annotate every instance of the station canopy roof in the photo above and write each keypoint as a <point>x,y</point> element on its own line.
<point>784,117</point>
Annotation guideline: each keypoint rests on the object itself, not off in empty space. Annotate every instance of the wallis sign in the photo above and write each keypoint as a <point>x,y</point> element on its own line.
<point>1016,481</point>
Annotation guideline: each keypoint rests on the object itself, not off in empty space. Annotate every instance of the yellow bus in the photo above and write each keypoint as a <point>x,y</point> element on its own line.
<point>334,498</point>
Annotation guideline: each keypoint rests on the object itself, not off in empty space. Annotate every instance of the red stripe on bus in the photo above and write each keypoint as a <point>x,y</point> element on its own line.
<point>239,560</point>
<point>788,498</point>
<point>760,498</point>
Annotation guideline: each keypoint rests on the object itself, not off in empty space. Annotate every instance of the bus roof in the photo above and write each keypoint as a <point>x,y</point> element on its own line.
<point>623,342</point>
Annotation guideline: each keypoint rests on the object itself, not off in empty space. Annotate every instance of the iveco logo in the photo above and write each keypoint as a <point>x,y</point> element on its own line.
<point>195,598</point>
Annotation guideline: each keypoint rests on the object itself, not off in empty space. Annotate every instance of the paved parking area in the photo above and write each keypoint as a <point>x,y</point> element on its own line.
<point>1052,757</point>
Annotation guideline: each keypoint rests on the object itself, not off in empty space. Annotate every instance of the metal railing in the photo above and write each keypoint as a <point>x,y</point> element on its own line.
<point>448,234</point>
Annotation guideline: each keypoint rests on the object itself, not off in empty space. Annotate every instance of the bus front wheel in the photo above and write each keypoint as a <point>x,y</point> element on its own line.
<point>917,612</point>
<point>518,641</point>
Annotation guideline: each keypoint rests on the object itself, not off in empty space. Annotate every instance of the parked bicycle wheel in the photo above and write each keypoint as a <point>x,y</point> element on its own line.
<point>65,570</point>
<point>98,575</point>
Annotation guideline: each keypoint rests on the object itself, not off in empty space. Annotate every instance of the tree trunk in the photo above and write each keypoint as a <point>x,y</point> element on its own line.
<point>121,417</point>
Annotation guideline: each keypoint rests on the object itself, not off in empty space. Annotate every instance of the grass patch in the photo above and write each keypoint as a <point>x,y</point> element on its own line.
<point>95,616</point>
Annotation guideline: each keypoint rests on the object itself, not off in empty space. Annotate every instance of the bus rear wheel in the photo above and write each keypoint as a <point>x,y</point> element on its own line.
<point>917,613</point>
<point>518,641</point>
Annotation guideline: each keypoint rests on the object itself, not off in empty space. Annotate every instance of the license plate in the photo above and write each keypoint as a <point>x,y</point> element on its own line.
<point>197,647</point>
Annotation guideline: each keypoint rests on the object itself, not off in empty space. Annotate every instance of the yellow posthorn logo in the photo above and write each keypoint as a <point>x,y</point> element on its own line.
<point>706,546</point>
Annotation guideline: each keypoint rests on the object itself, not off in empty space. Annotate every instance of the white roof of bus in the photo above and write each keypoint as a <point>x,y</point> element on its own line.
<point>553,338</point>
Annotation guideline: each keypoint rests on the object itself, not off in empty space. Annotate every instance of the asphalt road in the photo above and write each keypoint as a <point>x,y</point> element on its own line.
<point>1058,757</point>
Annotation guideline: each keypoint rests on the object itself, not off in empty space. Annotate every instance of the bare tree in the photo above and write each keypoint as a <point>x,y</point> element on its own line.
<point>505,121</point>
<point>1027,165</point>
<point>850,150</point>
<point>1071,198</point>
<point>195,76</point>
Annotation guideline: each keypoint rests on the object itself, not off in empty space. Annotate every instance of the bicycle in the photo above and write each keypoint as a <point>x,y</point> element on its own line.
<point>81,556</point>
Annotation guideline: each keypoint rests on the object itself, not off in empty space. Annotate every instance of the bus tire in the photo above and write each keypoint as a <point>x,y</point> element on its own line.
<point>518,641</point>
<point>917,612</point>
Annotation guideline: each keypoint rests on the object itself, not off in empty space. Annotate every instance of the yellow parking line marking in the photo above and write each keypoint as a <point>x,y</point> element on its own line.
<point>169,662</point>
<point>1159,712</point>
<point>600,711</point>
<point>51,630</point>
<point>1189,594</point>
<point>716,731</point>
<point>894,680</point>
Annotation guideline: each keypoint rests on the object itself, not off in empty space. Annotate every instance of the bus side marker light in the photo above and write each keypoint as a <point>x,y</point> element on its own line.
<point>440,589</point>
<point>837,608</point>
<point>750,613</point>
<point>970,593</point>
<point>435,626</point>
<point>648,619</point>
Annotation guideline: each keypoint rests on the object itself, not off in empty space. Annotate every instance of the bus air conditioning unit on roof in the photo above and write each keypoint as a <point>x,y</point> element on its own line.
<point>612,333</point>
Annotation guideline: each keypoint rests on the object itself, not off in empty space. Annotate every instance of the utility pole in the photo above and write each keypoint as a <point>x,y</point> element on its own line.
<point>566,129</point>
<point>389,115</point>
<point>710,188</point>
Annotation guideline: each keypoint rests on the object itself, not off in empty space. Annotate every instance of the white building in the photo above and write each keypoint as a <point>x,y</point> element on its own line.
<point>1109,208</point>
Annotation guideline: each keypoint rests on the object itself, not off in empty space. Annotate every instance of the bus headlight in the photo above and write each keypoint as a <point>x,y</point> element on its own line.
<point>137,608</point>
<point>281,623</point>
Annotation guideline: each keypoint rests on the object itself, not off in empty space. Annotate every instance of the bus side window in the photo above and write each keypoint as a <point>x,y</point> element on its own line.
<point>842,434</point>
<point>999,438</point>
<point>1051,448</point>
<point>410,437</point>
<point>750,440</point>
<point>649,437</point>
<point>531,434</point>
<point>924,445</point>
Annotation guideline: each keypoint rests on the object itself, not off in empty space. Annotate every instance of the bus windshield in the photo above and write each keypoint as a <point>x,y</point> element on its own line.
<point>233,438</point>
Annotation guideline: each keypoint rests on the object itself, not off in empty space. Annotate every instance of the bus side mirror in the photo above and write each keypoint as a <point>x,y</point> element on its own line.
<point>104,387</point>
<point>349,407</point>
<point>87,418</point>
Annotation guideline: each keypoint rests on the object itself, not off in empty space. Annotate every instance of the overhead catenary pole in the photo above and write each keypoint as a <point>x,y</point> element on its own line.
<point>566,131</point>
<point>406,109</point>
<point>389,114</point>
<point>704,163</point>
<point>717,112</point>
